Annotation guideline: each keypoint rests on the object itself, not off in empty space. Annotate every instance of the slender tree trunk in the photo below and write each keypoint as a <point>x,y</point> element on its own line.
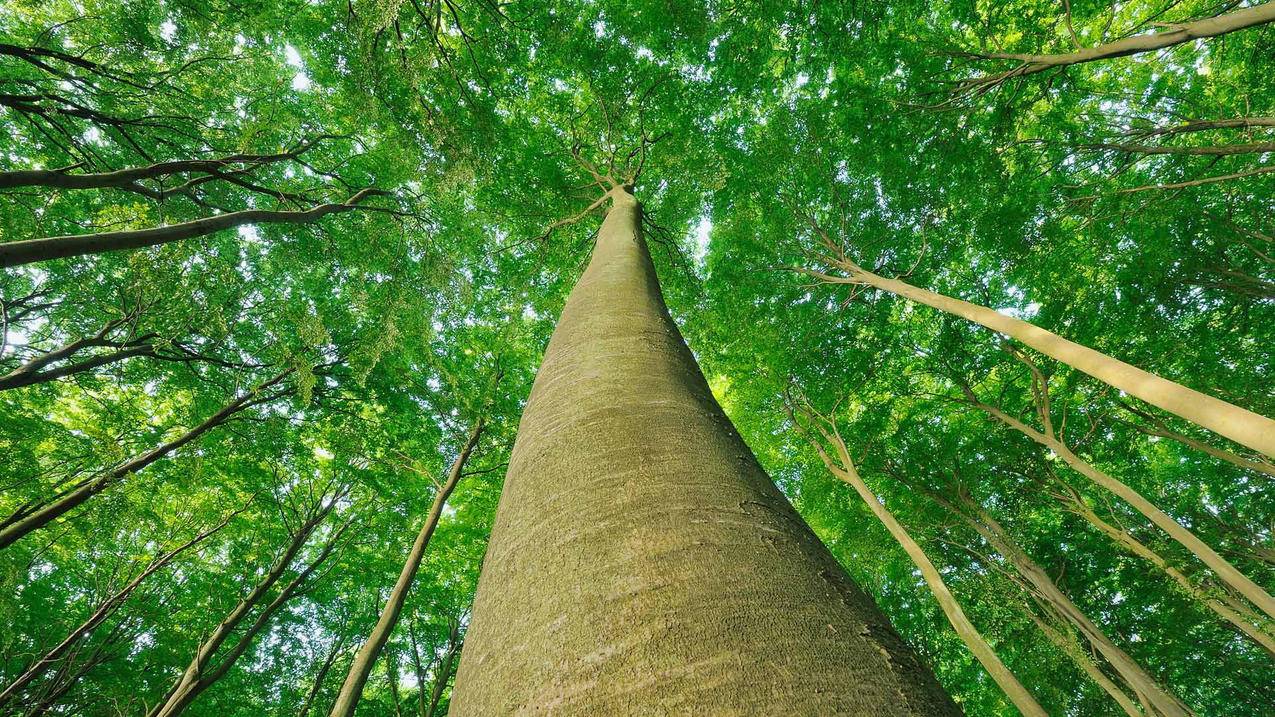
<point>1207,151</point>
<point>310,696</point>
<point>1160,701</point>
<point>641,560</point>
<point>200,674</point>
<point>46,514</point>
<point>1242,618</point>
<point>352,690</point>
<point>843,467</point>
<point>1068,644</point>
<point>1206,125</point>
<point>20,380</point>
<point>444,672</point>
<point>1227,572</point>
<point>17,253</point>
<point>56,691</point>
<point>1175,35</point>
<point>104,610</point>
<point>1240,425</point>
<point>1161,429</point>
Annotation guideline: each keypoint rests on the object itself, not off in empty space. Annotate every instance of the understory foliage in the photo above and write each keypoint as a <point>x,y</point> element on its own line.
<point>286,389</point>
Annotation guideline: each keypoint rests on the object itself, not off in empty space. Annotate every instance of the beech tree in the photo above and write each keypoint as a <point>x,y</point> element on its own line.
<point>903,358</point>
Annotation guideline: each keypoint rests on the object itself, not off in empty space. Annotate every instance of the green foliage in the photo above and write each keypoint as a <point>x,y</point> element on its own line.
<point>394,318</point>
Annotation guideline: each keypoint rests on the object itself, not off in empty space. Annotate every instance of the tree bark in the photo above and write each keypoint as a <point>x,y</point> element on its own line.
<point>1224,150</point>
<point>127,179</point>
<point>843,467</point>
<point>1176,35</point>
<point>21,377</point>
<point>1205,125</point>
<point>28,251</point>
<point>641,560</point>
<point>15,530</point>
<point>351,691</point>
<point>1159,428</point>
<point>1240,425</point>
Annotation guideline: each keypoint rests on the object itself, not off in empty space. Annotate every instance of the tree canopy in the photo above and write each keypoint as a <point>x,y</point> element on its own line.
<point>267,264</point>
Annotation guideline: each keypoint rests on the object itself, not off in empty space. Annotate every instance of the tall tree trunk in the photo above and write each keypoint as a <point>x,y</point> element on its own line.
<point>1176,35</point>
<point>28,251</point>
<point>1159,428</point>
<point>352,689</point>
<point>1158,700</point>
<point>1240,425</point>
<point>843,467</point>
<point>36,519</point>
<point>641,560</point>
<point>1219,565</point>
<point>1238,615</point>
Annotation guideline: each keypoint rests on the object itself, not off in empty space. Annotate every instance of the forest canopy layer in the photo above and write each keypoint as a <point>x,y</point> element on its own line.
<point>987,287</point>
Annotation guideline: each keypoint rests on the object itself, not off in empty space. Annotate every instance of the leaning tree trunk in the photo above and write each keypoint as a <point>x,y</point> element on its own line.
<point>361,668</point>
<point>642,561</point>
<point>1233,611</point>
<point>844,468</point>
<point>1228,573</point>
<point>1238,424</point>
<point>1157,700</point>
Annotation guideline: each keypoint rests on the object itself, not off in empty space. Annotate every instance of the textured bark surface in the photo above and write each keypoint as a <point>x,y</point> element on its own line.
<point>641,561</point>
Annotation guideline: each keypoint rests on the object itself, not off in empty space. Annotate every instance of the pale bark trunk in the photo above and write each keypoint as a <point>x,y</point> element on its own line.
<point>36,519</point>
<point>1206,125</point>
<point>1176,35</point>
<point>1068,644</point>
<point>1219,565</point>
<point>1240,425</point>
<point>361,668</point>
<point>1153,696</point>
<point>1224,150</point>
<point>641,560</point>
<point>1159,428</point>
<point>843,467</point>
<point>1248,624</point>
